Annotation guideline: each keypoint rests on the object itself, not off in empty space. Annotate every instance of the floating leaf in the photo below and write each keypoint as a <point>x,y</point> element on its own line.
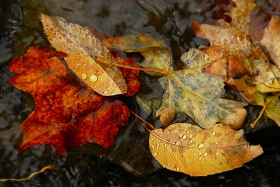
<point>82,48</point>
<point>189,149</point>
<point>271,39</point>
<point>189,90</point>
<point>270,104</point>
<point>68,113</point>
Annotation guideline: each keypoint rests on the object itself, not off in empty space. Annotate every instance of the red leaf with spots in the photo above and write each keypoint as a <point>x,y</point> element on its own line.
<point>68,113</point>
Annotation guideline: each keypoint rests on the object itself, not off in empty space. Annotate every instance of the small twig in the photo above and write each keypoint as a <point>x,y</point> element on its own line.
<point>147,123</point>
<point>30,176</point>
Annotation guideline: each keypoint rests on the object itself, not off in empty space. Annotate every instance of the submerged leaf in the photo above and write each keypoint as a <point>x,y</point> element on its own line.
<point>189,149</point>
<point>82,48</point>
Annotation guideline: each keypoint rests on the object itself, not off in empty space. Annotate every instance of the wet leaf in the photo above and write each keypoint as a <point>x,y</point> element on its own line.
<point>271,39</point>
<point>191,150</point>
<point>156,55</point>
<point>189,90</point>
<point>82,48</point>
<point>268,76</point>
<point>270,104</point>
<point>68,113</point>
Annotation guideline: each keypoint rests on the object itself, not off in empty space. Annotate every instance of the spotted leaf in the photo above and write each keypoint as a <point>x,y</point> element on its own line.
<point>191,150</point>
<point>82,48</point>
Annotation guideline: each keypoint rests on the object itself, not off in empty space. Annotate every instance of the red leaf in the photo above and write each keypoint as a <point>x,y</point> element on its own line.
<point>68,113</point>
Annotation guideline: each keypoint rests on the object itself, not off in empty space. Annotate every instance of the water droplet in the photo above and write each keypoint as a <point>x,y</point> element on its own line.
<point>191,136</point>
<point>205,154</point>
<point>181,148</point>
<point>158,145</point>
<point>194,154</point>
<point>199,158</point>
<point>236,160</point>
<point>184,137</point>
<point>213,133</point>
<point>200,153</point>
<point>155,154</point>
<point>84,76</point>
<point>168,132</point>
<point>200,145</point>
<point>188,132</point>
<point>196,129</point>
<point>217,153</point>
<point>93,78</point>
<point>178,143</point>
<point>164,144</point>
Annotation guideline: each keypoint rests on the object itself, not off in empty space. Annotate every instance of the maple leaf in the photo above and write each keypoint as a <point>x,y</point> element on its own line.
<point>189,90</point>
<point>68,113</point>
<point>233,39</point>
<point>189,149</point>
<point>82,49</point>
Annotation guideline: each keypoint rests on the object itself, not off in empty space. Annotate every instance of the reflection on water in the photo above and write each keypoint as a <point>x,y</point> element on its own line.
<point>92,165</point>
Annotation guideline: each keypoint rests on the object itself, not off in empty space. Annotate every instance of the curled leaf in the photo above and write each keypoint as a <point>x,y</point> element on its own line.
<point>82,48</point>
<point>191,150</point>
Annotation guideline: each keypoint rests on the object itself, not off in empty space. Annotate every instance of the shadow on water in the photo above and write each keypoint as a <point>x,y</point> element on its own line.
<point>91,165</point>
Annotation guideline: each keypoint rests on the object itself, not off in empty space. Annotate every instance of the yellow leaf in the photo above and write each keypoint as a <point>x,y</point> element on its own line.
<point>83,48</point>
<point>191,150</point>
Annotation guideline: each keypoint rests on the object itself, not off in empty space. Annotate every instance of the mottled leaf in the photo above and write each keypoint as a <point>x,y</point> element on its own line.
<point>82,48</point>
<point>68,113</point>
<point>191,150</point>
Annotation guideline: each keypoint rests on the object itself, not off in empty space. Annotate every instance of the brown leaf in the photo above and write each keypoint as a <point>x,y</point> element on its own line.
<point>189,149</point>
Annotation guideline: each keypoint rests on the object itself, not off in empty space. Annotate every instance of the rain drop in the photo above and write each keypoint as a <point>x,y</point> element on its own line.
<point>84,76</point>
<point>199,158</point>
<point>93,78</point>
<point>155,154</point>
<point>184,137</point>
<point>178,143</point>
<point>205,154</point>
<point>153,147</point>
<point>213,133</point>
<point>168,132</point>
<point>191,136</point>
<point>188,132</point>
<point>200,145</point>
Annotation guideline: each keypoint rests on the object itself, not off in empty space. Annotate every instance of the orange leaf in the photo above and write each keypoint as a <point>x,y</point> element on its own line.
<point>68,113</point>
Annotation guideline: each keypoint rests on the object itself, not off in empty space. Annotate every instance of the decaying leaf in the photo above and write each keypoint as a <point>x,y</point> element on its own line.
<point>189,149</point>
<point>189,90</point>
<point>271,39</point>
<point>68,113</point>
<point>82,48</point>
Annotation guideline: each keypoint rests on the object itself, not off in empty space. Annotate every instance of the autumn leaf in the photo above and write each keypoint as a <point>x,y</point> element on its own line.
<point>189,90</point>
<point>270,104</point>
<point>191,150</point>
<point>233,39</point>
<point>82,49</point>
<point>271,39</point>
<point>68,113</point>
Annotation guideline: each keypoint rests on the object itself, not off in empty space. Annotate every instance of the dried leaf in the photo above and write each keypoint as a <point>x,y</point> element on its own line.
<point>68,113</point>
<point>271,39</point>
<point>82,48</point>
<point>189,149</point>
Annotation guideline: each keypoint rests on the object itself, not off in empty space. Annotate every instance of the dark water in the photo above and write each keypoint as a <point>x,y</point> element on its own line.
<point>128,162</point>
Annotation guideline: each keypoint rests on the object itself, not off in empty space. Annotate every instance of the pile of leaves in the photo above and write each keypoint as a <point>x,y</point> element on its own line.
<point>75,88</point>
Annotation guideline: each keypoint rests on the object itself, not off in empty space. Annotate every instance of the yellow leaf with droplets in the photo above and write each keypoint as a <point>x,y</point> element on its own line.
<point>191,150</point>
<point>83,48</point>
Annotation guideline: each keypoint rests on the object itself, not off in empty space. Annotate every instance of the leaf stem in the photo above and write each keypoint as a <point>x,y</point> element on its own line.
<point>151,126</point>
<point>163,72</point>
<point>253,124</point>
